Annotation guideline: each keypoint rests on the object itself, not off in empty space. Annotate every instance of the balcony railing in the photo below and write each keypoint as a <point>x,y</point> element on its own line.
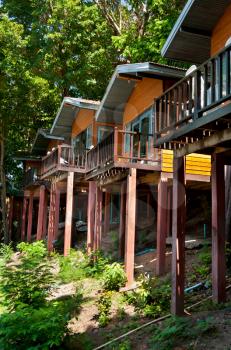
<point>63,158</point>
<point>123,147</point>
<point>201,92</point>
<point>31,176</point>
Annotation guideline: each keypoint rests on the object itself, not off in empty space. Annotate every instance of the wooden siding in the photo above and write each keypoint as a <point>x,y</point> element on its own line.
<point>142,98</point>
<point>82,121</point>
<point>196,164</point>
<point>221,32</point>
<point>53,144</point>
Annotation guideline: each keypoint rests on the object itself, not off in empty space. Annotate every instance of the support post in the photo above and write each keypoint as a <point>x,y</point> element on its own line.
<point>41,209</point>
<point>69,211</point>
<point>98,219</point>
<point>130,226</point>
<point>162,213</point>
<point>44,232</point>
<point>91,216</point>
<point>57,209</point>
<point>10,217</point>
<point>122,219</point>
<point>23,227</point>
<point>107,213</point>
<point>51,220</point>
<point>218,228</point>
<point>30,217</point>
<point>178,236</point>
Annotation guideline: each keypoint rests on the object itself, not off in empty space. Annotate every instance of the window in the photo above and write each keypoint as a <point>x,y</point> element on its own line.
<point>84,140</point>
<point>103,132</point>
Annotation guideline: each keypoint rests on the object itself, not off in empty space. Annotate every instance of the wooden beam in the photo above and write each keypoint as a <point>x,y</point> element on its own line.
<point>130,226</point>
<point>122,219</point>
<point>57,210</point>
<point>69,212</point>
<point>218,228</point>
<point>10,216</point>
<point>24,211</point>
<point>91,215</point>
<point>98,219</point>
<point>30,217</point>
<point>107,212</point>
<point>44,231</point>
<point>178,236</point>
<point>162,217</point>
<point>41,209</point>
<point>51,220</point>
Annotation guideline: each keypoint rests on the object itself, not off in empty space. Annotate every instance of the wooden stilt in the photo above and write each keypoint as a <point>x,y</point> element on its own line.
<point>10,217</point>
<point>107,212</point>
<point>57,209</point>
<point>122,219</point>
<point>161,225</point>
<point>91,215</point>
<point>51,220</point>
<point>169,212</point>
<point>98,219</point>
<point>30,217</point>
<point>218,228</point>
<point>178,236</point>
<point>40,212</point>
<point>24,211</point>
<point>69,211</point>
<point>130,226</point>
<point>44,232</point>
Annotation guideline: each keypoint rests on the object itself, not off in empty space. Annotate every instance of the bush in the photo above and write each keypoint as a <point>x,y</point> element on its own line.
<point>30,328</point>
<point>95,264</point>
<point>26,280</point>
<point>6,251</point>
<point>104,306</point>
<point>152,297</point>
<point>72,266</point>
<point>114,277</point>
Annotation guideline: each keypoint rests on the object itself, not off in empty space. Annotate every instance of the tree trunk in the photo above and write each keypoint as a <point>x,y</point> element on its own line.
<point>3,189</point>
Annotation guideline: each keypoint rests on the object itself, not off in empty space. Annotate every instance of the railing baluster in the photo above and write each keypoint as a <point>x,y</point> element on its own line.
<point>205,84</point>
<point>227,72</point>
<point>219,76</point>
<point>197,93</point>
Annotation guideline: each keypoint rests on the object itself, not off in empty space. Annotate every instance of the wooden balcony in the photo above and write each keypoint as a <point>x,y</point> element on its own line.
<point>31,177</point>
<point>123,149</point>
<point>64,158</point>
<point>196,107</point>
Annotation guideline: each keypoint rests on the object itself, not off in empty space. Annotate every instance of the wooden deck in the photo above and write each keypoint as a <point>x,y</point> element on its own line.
<point>198,106</point>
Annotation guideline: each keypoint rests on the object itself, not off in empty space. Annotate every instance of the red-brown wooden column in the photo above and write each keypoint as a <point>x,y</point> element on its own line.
<point>69,212</point>
<point>122,219</point>
<point>98,219</point>
<point>51,220</point>
<point>57,209</point>
<point>30,217</point>
<point>218,228</point>
<point>107,212</point>
<point>130,226</point>
<point>10,216</point>
<point>91,215</point>
<point>178,236</point>
<point>24,211</point>
<point>162,217</point>
<point>45,216</point>
<point>41,209</point>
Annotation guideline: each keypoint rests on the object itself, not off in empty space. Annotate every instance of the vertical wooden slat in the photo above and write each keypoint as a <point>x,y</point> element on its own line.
<point>69,211</point>
<point>24,212</point>
<point>98,219</point>
<point>213,80</point>
<point>179,112</point>
<point>107,212</point>
<point>205,84</point>
<point>91,215</point>
<point>57,210</point>
<point>197,93</point>
<point>50,233</point>
<point>178,237</point>
<point>10,216</point>
<point>130,226</point>
<point>30,217</point>
<point>131,146</point>
<point>227,72</point>
<point>40,212</point>
<point>218,228</point>
<point>45,216</point>
<point>122,219</point>
<point>219,76</point>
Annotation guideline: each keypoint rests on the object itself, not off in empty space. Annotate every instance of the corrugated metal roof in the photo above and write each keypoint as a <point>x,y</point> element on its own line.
<point>119,89</point>
<point>190,38</point>
<point>67,113</point>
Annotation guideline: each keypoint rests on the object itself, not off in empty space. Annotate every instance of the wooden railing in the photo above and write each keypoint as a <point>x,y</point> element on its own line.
<point>63,157</point>
<point>192,98</point>
<point>122,147</point>
<point>31,176</point>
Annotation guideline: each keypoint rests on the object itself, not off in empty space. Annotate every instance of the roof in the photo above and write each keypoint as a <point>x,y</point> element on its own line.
<point>41,142</point>
<point>123,82</point>
<point>67,113</point>
<point>190,38</point>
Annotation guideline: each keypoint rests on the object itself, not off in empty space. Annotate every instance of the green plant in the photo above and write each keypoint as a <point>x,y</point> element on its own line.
<point>104,305</point>
<point>95,263</point>
<point>6,251</point>
<point>121,314</point>
<point>114,276</point>
<point>72,266</point>
<point>152,297</point>
<point>179,329</point>
<point>27,280</point>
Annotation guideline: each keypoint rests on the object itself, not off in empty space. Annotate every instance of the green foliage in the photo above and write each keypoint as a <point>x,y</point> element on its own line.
<point>95,263</point>
<point>178,330</point>
<point>6,252</point>
<point>152,297</point>
<point>104,305</point>
<point>26,280</point>
<point>125,345</point>
<point>114,276</point>
<point>30,328</point>
<point>72,266</point>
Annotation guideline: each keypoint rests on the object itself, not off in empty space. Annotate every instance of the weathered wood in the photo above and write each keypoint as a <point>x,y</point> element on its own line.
<point>107,212</point>
<point>122,219</point>
<point>98,219</point>
<point>41,212</point>
<point>218,228</point>
<point>178,237</point>
<point>10,217</point>
<point>57,209</point>
<point>130,226</point>
<point>30,217</point>
<point>51,220</point>
<point>162,221</point>
<point>24,212</point>
<point>69,211</point>
<point>44,232</point>
<point>91,215</point>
